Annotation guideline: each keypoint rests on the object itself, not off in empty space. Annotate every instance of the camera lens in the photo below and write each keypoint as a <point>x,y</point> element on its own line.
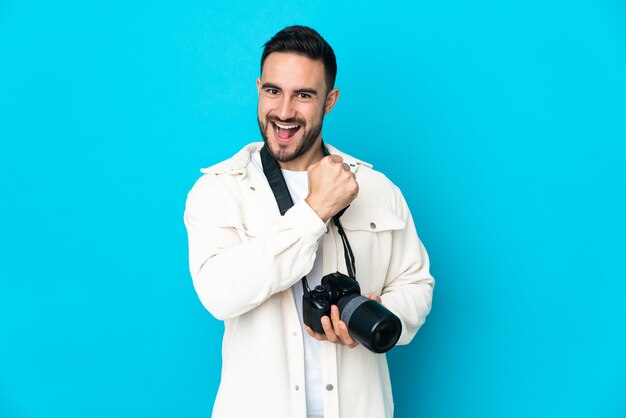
<point>370,323</point>
<point>386,335</point>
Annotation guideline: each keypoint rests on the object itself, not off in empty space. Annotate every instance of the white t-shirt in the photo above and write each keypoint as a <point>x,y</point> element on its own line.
<point>298,185</point>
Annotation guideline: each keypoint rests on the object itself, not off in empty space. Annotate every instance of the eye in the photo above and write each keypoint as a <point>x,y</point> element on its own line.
<point>304,96</point>
<point>272,91</point>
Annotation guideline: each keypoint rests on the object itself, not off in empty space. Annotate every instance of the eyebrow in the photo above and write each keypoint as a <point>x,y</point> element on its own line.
<point>302,90</point>
<point>307,90</point>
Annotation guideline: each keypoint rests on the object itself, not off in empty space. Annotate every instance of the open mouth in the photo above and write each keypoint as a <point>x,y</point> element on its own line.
<point>285,130</point>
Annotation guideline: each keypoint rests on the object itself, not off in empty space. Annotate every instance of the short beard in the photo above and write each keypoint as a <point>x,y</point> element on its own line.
<point>281,155</point>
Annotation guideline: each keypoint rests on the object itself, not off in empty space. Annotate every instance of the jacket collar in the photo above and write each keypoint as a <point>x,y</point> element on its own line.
<point>238,164</point>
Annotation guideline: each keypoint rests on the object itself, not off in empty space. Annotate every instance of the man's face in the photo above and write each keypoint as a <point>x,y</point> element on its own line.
<point>292,105</point>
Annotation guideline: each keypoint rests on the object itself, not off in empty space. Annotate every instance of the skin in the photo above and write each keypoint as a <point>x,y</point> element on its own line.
<point>292,90</point>
<point>335,330</point>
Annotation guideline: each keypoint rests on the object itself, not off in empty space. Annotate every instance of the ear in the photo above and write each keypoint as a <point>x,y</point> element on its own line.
<point>331,99</point>
<point>258,85</point>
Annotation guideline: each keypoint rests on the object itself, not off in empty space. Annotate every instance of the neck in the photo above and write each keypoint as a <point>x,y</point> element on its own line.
<point>302,163</point>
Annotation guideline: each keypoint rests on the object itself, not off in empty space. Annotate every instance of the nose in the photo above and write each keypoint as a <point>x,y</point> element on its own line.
<point>285,109</point>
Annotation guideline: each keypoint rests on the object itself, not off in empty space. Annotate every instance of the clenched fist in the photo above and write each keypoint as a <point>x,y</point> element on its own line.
<point>332,186</point>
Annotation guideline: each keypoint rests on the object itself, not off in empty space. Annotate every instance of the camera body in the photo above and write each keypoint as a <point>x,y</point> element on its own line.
<point>368,322</point>
<point>317,303</point>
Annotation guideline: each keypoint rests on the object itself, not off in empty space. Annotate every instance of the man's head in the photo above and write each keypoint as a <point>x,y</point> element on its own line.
<point>296,89</point>
<point>302,40</point>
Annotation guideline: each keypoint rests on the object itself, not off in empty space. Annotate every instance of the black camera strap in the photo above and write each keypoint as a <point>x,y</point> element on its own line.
<point>278,185</point>
<point>276,180</point>
<point>347,250</point>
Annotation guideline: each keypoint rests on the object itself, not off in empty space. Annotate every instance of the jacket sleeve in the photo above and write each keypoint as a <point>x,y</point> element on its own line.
<point>408,289</point>
<point>232,271</point>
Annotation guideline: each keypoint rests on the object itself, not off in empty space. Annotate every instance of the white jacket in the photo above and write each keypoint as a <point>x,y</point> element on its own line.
<point>244,257</point>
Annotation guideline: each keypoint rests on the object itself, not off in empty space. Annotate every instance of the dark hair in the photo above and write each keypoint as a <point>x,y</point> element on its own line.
<point>304,41</point>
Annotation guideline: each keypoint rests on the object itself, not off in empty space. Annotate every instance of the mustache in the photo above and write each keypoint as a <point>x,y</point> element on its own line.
<point>271,118</point>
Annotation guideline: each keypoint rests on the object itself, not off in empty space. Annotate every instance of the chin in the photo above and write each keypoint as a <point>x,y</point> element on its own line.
<point>282,152</point>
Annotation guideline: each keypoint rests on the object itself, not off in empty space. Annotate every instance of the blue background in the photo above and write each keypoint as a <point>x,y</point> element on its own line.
<point>502,122</point>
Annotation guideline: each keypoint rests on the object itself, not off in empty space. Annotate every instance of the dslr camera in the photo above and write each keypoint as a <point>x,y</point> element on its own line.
<point>369,322</point>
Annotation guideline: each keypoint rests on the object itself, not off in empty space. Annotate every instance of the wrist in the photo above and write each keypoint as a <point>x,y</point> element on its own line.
<point>324,213</point>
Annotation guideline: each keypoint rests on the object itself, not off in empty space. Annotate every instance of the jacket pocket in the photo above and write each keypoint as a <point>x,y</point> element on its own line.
<point>370,233</point>
<point>371,220</point>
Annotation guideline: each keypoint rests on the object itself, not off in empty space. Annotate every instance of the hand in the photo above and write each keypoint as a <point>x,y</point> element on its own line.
<point>335,330</point>
<point>332,186</point>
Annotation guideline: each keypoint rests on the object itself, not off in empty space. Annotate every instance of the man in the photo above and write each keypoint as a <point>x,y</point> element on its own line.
<point>247,261</point>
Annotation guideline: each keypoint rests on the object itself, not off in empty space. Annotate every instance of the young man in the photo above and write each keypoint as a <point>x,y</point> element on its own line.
<point>247,261</point>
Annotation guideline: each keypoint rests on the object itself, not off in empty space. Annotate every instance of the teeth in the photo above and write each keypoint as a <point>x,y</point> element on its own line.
<point>281,126</point>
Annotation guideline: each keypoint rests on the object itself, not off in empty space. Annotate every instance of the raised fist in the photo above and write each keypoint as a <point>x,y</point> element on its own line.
<point>332,186</point>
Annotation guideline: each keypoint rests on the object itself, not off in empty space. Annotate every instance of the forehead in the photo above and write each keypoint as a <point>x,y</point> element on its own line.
<point>293,70</point>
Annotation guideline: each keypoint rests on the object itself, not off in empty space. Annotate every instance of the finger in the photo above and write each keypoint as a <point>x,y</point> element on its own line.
<point>345,335</point>
<point>335,158</point>
<point>346,167</point>
<point>334,316</point>
<point>328,330</point>
<point>376,298</point>
<point>340,328</point>
<point>314,334</point>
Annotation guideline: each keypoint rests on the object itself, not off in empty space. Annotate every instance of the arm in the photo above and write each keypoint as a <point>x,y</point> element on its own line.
<point>233,272</point>
<point>408,289</point>
<point>408,285</point>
